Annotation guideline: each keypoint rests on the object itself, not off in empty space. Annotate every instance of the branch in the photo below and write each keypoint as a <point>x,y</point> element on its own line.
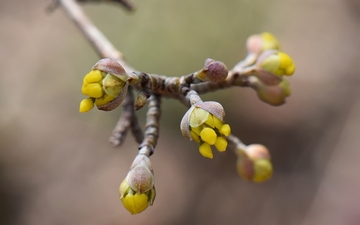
<point>127,120</point>
<point>125,3</point>
<point>152,124</point>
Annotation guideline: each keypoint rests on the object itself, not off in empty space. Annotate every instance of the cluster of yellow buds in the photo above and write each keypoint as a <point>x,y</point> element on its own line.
<point>254,163</point>
<point>268,79</point>
<point>204,123</point>
<point>266,66</point>
<point>105,85</point>
<point>137,191</point>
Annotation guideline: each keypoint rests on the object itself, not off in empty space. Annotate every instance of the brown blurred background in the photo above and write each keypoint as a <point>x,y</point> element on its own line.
<point>57,166</point>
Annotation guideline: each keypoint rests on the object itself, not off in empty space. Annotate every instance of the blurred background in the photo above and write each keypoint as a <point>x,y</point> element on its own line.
<point>57,166</point>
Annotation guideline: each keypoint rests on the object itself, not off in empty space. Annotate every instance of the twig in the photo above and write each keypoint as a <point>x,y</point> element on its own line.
<point>235,143</point>
<point>125,3</point>
<point>127,120</point>
<point>233,79</point>
<point>106,50</point>
<point>152,123</point>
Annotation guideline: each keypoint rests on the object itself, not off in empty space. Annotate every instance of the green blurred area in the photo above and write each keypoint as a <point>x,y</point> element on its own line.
<point>57,166</point>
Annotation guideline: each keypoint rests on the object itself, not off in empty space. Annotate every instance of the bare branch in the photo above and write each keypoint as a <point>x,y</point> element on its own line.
<point>152,123</point>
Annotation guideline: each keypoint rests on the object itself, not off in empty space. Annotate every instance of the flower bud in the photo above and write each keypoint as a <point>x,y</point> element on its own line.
<point>254,163</point>
<point>256,44</point>
<point>275,62</point>
<point>214,71</point>
<point>141,178</point>
<point>203,123</point>
<point>137,191</point>
<point>274,95</point>
<point>106,86</point>
<point>134,202</point>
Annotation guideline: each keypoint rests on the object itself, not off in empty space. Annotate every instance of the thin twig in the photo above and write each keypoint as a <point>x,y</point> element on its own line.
<point>232,80</point>
<point>152,123</point>
<point>126,121</point>
<point>106,50</point>
<point>235,143</point>
<point>125,3</point>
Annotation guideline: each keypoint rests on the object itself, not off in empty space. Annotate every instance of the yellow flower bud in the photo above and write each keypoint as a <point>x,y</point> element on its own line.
<point>270,42</point>
<point>134,202</point>
<point>208,135</point>
<point>225,130</point>
<point>86,105</point>
<point>93,90</point>
<point>203,122</point>
<point>137,190</point>
<point>106,83</point>
<point>275,62</point>
<point>257,44</point>
<point>93,77</point>
<point>205,150</point>
<point>221,144</point>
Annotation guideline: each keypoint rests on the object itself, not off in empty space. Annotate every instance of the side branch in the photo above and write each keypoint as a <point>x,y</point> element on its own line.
<point>152,124</point>
<point>126,121</point>
<point>125,3</point>
<point>233,79</point>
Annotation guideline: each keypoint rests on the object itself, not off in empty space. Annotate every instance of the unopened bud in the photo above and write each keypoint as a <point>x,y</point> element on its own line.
<point>254,163</point>
<point>137,191</point>
<point>106,85</point>
<point>258,43</point>
<point>214,71</point>
<point>276,62</point>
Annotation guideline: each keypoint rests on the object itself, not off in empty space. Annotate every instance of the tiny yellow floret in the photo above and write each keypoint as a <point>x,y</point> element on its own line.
<point>287,65</point>
<point>269,41</point>
<point>218,123</point>
<point>205,150</point>
<point>195,136</point>
<point>135,203</point>
<point>221,144</point>
<point>93,90</point>
<point>210,121</point>
<point>104,100</point>
<point>225,130</point>
<point>208,135</point>
<point>197,129</point>
<point>93,76</point>
<point>86,105</point>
